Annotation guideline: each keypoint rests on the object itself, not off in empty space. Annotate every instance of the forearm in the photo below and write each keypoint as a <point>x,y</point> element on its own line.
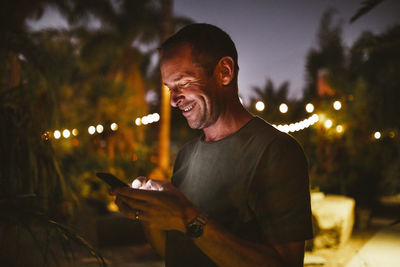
<point>156,238</point>
<point>225,249</point>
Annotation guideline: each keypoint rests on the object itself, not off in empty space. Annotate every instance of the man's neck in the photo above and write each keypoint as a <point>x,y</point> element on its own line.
<point>228,123</point>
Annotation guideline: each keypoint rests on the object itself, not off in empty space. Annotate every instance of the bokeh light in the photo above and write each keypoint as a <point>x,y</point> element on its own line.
<point>66,133</point>
<point>328,124</point>
<point>57,134</point>
<point>260,106</point>
<point>283,108</point>
<point>91,130</point>
<point>337,105</point>
<point>114,126</point>
<point>99,128</point>
<point>309,107</point>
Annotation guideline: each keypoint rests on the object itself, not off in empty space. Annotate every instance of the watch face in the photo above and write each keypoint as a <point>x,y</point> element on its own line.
<point>195,229</point>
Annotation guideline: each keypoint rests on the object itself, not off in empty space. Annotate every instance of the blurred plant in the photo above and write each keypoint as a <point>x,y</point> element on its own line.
<point>28,232</point>
<point>273,97</point>
<point>365,79</point>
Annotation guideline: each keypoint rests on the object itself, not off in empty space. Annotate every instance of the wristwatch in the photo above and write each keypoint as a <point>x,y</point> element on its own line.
<point>194,228</point>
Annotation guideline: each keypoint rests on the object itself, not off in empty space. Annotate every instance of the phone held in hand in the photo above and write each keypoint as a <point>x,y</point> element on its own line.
<point>111,180</point>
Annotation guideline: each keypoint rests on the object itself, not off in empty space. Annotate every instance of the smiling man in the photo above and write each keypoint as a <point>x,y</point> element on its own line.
<point>239,194</point>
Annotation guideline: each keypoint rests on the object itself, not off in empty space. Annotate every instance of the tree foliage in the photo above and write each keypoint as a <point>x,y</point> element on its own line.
<point>364,79</point>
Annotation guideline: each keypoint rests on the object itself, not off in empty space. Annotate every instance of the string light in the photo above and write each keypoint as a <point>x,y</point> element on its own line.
<point>377,135</point>
<point>328,124</point>
<point>147,119</point>
<point>337,105</point>
<point>297,126</point>
<point>283,108</point>
<point>114,126</point>
<point>57,134</point>
<point>260,106</point>
<point>91,130</point>
<point>309,107</point>
<point>99,128</point>
<point>66,133</point>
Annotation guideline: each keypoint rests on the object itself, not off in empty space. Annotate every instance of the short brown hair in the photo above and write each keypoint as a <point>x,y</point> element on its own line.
<point>208,42</point>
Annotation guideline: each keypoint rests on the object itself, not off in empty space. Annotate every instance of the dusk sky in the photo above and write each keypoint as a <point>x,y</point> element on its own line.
<point>273,37</point>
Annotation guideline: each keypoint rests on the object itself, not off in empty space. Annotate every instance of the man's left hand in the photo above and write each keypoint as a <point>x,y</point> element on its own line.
<point>158,203</point>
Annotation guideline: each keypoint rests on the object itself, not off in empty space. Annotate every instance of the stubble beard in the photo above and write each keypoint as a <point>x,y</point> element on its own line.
<point>204,118</point>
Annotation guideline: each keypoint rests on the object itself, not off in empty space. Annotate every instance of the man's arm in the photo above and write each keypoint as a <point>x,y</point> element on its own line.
<point>226,249</point>
<point>156,238</point>
<point>170,210</point>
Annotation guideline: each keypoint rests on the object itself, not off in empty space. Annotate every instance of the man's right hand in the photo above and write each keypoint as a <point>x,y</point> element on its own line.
<point>144,183</point>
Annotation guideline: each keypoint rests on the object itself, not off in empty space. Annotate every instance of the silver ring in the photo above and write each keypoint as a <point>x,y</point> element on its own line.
<point>137,215</point>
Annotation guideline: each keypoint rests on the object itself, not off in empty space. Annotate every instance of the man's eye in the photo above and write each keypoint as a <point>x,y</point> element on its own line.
<point>184,85</point>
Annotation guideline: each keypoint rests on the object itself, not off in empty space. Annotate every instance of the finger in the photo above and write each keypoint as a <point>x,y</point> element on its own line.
<point>145,217</point>
<point>134,214</point>
<point>139,182</point>
<point>136,204</point>
<point>145,195</point>
<point>127,211</point>
<point>154,185</point>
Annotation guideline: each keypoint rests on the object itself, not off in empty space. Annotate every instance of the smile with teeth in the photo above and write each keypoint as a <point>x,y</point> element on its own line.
<point>188,108</point>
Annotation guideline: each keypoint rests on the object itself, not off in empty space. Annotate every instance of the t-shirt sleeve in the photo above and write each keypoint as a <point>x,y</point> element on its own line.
<point>279,193</point>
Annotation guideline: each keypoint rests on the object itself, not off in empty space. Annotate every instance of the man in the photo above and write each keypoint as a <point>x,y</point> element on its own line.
<point>239,194</point>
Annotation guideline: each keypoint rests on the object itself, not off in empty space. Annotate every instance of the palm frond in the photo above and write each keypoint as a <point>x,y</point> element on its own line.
<point>17,213</point>
<point>366,6</point>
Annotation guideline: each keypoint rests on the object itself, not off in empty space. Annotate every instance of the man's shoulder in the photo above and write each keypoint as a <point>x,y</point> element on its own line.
<point>274,137</point>
<point>263,130</point>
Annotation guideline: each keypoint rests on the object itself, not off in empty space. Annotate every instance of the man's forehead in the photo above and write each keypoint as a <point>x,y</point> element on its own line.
<point>180,50</point>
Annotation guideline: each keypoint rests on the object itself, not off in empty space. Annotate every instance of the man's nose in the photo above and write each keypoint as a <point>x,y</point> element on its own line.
<point>176,97</point>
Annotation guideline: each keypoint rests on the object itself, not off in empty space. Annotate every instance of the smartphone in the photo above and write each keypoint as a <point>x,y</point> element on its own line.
<point>111,180</point>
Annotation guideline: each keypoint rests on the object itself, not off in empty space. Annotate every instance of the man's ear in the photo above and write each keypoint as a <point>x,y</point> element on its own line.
<point>225,70</point>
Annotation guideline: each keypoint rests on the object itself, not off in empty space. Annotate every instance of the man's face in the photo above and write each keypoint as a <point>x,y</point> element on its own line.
<point>192,91</point>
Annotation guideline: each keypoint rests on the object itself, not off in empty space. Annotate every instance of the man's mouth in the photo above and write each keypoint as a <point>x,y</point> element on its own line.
<point>187,109</point>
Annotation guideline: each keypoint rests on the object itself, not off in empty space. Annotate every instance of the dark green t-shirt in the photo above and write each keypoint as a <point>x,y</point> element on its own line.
<point>254,183</point>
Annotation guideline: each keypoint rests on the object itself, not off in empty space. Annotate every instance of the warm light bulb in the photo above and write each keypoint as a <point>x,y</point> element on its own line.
<point>309,107</point>
<point>145,120</point>
<point>339,128</point>
<point>138,122</point>
<point>260,106</point>
<point>283,108</point>
<point>156,117</point>
<point>337,105</point>
<point>377,135</point>
<point>114,126</point>
<point>99,128</point>
<point>75,132</point>
<point>328,124</point>
<point>91,130</point>
<point>57,134</point>
<point>66,133</point>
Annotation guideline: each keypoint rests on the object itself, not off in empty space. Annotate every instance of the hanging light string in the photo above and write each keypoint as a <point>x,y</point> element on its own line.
<point>66,133</point>
<point>259,105</point>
